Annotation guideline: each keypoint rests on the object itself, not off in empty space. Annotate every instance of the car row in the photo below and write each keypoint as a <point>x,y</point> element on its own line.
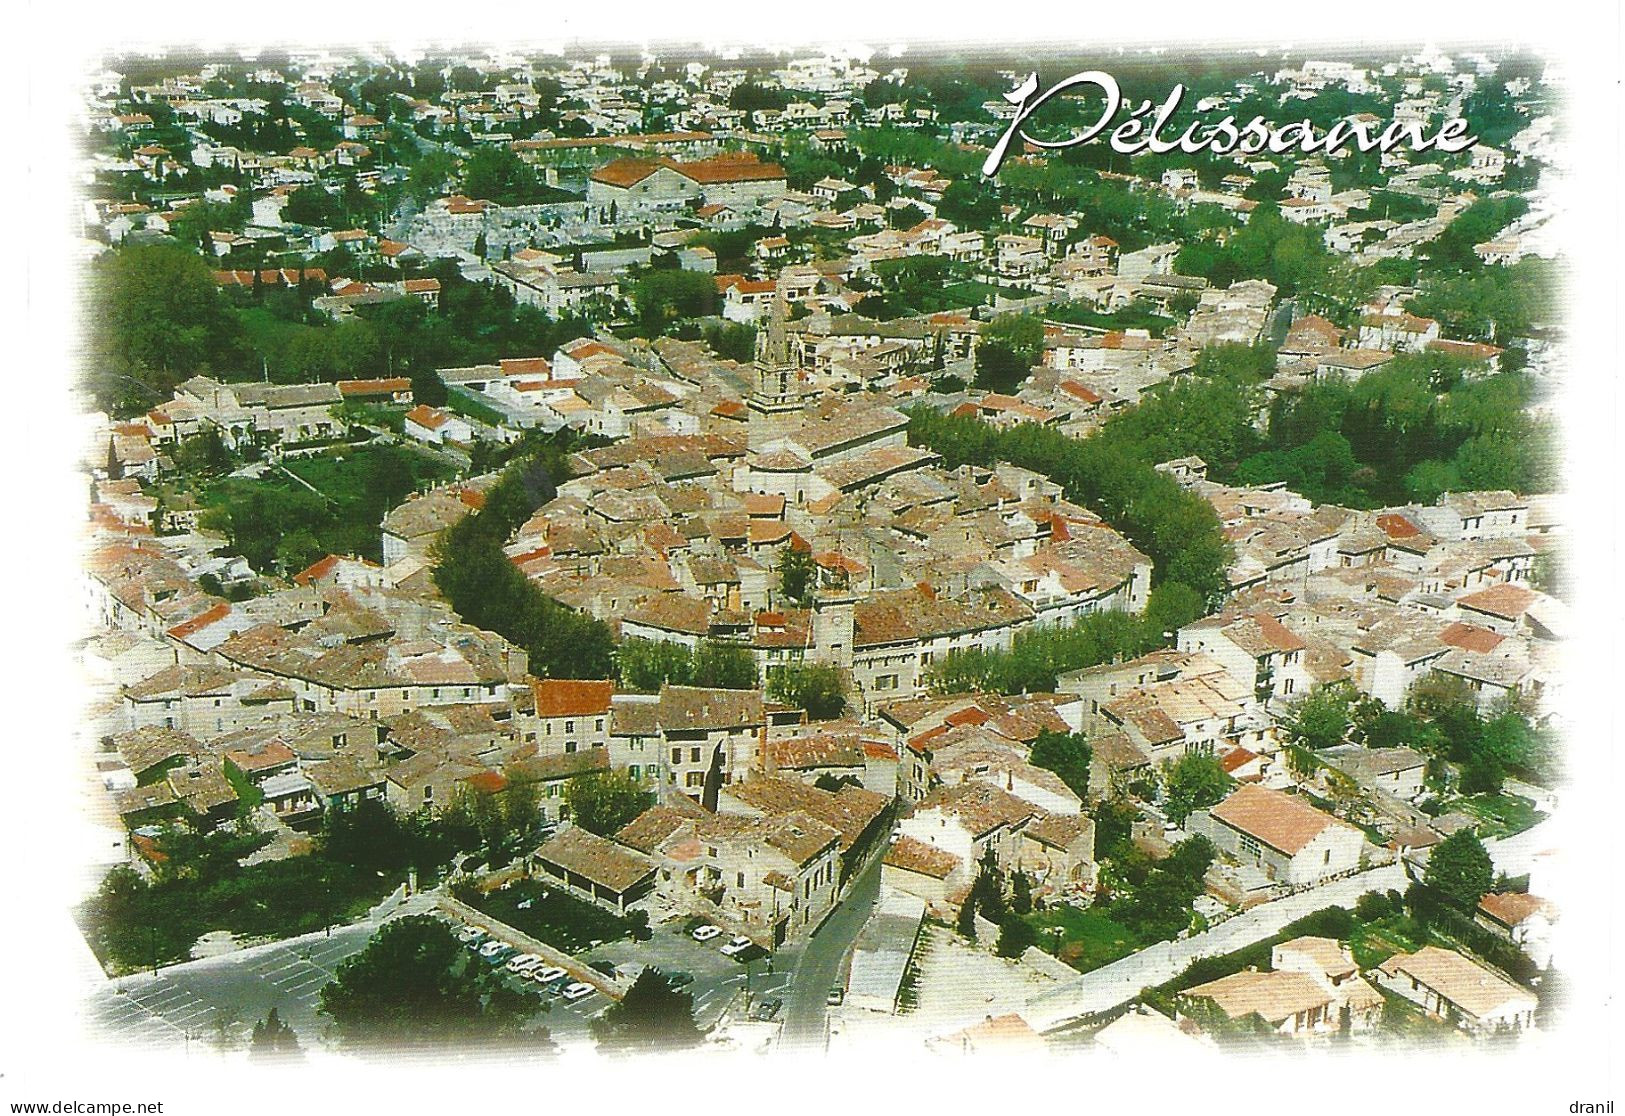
<point>551,979</point>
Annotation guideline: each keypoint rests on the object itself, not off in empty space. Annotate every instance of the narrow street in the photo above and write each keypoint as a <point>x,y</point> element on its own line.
<point>806,1010</point>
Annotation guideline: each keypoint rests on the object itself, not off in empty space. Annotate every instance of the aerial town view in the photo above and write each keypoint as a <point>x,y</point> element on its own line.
<point>630,549</point>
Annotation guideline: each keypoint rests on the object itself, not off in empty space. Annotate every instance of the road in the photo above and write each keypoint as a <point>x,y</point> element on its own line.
<point>806,1009</point>
<point>1112,985</point>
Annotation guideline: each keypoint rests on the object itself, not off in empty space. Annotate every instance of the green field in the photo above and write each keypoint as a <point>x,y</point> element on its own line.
<point>1091,938</point>
<point>1500,815</point>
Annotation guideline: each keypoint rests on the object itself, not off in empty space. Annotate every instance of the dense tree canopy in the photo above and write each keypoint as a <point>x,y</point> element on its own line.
<point>652,1017</point>
<point>604,801</point>
<point>415,987</point>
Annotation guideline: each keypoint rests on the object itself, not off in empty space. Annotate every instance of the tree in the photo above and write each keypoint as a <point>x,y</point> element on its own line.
<point>1195,781</point>
<point>652,1017</point>
<point>1021,893</point>
<point>662,297</point>
<point>414,986</point>
<point>1066,754</point>
<point>1321,718</point>
<point>965,921</point>
<point>155,318</point>
<point>1460,869</point>
<point>604,801</point>
<point>816,687</point>
<point>274,1041</point>
<point>987,891</point>
<point>495,173</point>
<point>312,205</point>
<point>797,572</point>
<point>1015,935</point>
<point>1009,347</point>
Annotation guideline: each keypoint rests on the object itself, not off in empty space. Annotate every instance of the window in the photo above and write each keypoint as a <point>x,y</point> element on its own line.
<point>632,770</point>
<point>677,755</point>
<point>599,725</point>
<point>569,746</point>
<point>693,755</point>
<point>741,878</point>
<point>569,726</point>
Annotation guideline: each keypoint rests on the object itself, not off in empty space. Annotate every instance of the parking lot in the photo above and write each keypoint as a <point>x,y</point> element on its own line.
<point>218,1001</point>
<point>718,979</point>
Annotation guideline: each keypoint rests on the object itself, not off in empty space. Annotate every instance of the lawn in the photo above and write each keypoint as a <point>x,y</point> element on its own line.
<point>131,923</point>
<point>1374,942</point>
<point>357,487</point>
<point>1127,318</point>
<point>1092,938</point>
<point>1500,815</point>
<point>549,914</point>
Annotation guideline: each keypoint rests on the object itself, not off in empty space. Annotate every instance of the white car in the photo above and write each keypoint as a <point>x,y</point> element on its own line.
<point>524,963</point>
<point>736,945</point>
<point>546,975</point>
<point>490,948</point>
<point>706,933</point>
<point>580,990</point>
<point>470,934</point>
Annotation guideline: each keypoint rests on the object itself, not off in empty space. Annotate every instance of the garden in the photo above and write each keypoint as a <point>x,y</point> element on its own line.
<point>548,913</point>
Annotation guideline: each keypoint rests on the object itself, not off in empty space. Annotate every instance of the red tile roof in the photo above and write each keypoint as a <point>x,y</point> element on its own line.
<point>566,697</point>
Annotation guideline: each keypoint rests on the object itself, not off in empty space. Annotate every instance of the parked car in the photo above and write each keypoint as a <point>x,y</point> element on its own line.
<point>547,975</point>
<point>524,963</point>
<point>736,945</point>
<point>766,1010</point>
<point>837,995</point>
<point>470,934</point>
<point>706,933</point>
<point>500,957</point>
<point>605,967</point>
<point>580,990</point>
<point>491,947</point>
<point>678,978</point>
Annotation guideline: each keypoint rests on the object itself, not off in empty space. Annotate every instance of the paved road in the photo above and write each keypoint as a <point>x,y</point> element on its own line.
<point>218,1000</point>
<point>1118,983</point>
<point>806,1012</point>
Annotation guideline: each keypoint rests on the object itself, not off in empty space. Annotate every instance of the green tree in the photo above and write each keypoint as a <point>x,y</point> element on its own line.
<point>604,801</point>
<point>495,173</point>
<point>662,297</point>
<point>1194,781</point>
<point>1021,893</point>
<point>1322,717</point>
<point>797,574</point>
<point>965,920</point>
<point>1008,348</point>
<point>414,987</point>
<point>1016,934</point>
<point>816,687</point>
<point>155,318</point>
<point>1066,754</point>
<point>1460,869</point>
<point>312,205</point>
<point>652,1017</point>
<point>274,1041</point>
